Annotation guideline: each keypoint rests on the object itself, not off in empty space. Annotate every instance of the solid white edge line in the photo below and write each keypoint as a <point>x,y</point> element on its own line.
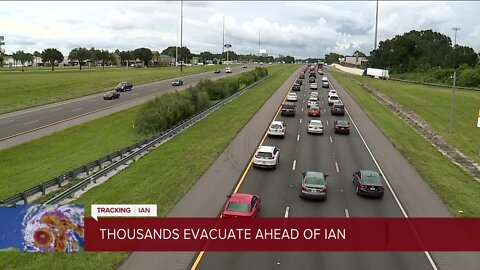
<point>346,213</point>
<point>336,167</point>
<point>286,211</point>
<point>31,122</point>
<point>427,254</point>
<point>77,109</point>
<point>294,164</point>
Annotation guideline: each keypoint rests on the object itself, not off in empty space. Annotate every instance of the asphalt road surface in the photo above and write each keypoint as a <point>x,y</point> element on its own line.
<point>337,155</point>
<point>22,123</point>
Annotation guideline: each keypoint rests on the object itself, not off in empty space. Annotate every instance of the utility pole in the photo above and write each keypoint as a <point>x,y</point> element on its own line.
<point>181,36</point>
<point>376,27</point>
<point>2,42</point>
<point>223,32</point>
<point>258,41</point>
<point>452,103</point>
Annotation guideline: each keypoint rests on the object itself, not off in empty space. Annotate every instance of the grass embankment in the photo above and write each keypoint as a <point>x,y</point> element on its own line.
<point>154,178</point>
<point>22,90</point>
<point>456,188</point>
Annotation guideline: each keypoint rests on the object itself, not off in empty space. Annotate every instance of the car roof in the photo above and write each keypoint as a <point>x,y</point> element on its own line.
<point>240,197</point>
<point>291,93</point>
<point>369,173</point>
<point>316,121</point>
<point>314,174</point>
<point>277,122</point>
<point>266,148</point>
<point>342,122</point>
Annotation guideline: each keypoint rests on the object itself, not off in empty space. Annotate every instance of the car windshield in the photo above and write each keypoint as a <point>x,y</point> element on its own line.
<point>334,98</point>
<point>342,123</point>
<point>276,126</point>
<point>314,179</point>
<point>372,179</point>
<point>292,94</point>
<point>314,108</point>
<point>264,154</point>
<point>237,207</point>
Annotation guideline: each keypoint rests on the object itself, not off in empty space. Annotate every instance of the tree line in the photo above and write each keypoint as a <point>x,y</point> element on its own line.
<point>51,56</point>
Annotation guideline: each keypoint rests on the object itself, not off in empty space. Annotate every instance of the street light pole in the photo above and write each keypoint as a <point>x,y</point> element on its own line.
<point>181,36</point>
<point>452,103</point>
<point>376,27</point>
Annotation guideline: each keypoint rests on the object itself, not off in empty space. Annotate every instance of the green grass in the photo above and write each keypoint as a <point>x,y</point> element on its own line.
<point>153,179</point>
<point>456,188</point>
<point>21,90</point>
<point>433,105</point>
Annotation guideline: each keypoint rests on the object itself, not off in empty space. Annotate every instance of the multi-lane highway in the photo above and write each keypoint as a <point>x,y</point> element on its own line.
<point>13,125</point>
<point>336,155</point>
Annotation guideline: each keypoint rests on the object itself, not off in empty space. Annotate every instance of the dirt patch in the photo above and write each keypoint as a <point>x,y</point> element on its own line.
<point>419,125</point>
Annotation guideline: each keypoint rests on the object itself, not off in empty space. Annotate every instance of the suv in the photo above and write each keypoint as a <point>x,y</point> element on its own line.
<point>228,70</point>
<point>288,108</point>
<point>338,109</point>
<point>296,87</point>
<point>267,157</point>
<point>124,86</point>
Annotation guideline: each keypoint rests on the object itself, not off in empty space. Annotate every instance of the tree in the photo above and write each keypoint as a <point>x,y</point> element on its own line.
<point>144,54</point>
<point>51,55</point>
<point>37,55</point>
<point>22,57</point>
<point>184,53</point>
<point>205,56</point>
<point>332,58</point>
<point>461,55</point>
<point>359,54</point>
<point>79,54</point>
<point>125,57</point>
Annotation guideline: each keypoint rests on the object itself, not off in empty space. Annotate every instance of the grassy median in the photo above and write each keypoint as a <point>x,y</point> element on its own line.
<point>154,178</point>
<point>458,190</point>
<point>22,90</point>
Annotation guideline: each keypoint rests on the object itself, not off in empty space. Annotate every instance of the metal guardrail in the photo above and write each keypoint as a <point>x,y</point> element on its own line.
<point>434,84</point>
<point>113,161</point>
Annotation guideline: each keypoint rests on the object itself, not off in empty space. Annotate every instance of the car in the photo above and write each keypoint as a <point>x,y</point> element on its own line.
<point>325,84</point>
<point>324,79</point>
<point>277,128</point>
<point>368,183</point>
<point>288,109</point>
<point>337,109</point>
<point>315,126</point>
<point>300,82</point>
<point>311,79</point>
<point>245,66</point>
<point>314,86</point>
<point>320,72</point>
<point>314,94</point>
<point>217,71</point>
<point>266,157</point>
<point>313,185</point>
<point>301,76</point>
<point>261,63</point>
<point>333,99</point>
<point>111,95</point>
<point>332,92</point>
<point>341,126</point>
<point>312,101</point>
<point>241,205</point>
<point>228,70</point>
<point>311,75</point>
<point>295,87</point>
<point>292,97</point>
<point>314,111</point>
<point>124,86</point>
<point>177,82</point>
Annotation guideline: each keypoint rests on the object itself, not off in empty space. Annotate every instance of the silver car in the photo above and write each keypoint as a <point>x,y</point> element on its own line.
<point>314,185</point>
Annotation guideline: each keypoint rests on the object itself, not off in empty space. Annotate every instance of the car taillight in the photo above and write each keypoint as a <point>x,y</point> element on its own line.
<point>271,157</point>
<point>380,189</point>
<point>310,126</point>
<point>257,156</point>
<point>362,186</point>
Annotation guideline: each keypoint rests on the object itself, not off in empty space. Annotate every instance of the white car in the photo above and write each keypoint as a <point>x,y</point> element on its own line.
<point>324,79</point>
<point>277,128</point>
<point>292,97</point>
<point>313,86</point>
<point>332,92</point>
<point>315,126</point>
<point>228,70</point>
<point>267,157</point>
<point>312,101</point>
<point>333,99</point>
<point>314,94</point>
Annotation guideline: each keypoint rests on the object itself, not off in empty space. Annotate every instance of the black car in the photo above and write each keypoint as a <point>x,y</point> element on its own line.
<point>368,183</point>
<point>312,74</point>
<point>245,66</point>
<point>296,87</point>
<point>341,126</point>
<point>299,82</point>
<point>302,76</point>
<point>177,82</point>
<point>288,108</point>
<point>124,86</point>
<point>338,109</point>
<point>111,95</point>
<point>217,71</point>
<point>311,79</point>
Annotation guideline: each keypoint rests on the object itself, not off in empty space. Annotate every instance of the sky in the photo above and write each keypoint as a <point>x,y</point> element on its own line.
<point>300,29</point>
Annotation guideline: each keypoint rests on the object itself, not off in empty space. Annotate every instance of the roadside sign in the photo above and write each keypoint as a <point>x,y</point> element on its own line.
<point>478,122</point>
<point>478,112</point>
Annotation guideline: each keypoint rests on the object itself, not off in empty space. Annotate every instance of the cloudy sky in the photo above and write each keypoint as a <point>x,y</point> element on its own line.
<point>297,28</point>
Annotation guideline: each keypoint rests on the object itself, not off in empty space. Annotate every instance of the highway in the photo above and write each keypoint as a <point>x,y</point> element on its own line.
<point>21,123</point>
<point>337,155</point>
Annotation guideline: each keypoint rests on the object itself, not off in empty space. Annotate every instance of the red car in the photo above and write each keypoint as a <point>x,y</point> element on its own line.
<point>314,111</point>
<point>242,205</point>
